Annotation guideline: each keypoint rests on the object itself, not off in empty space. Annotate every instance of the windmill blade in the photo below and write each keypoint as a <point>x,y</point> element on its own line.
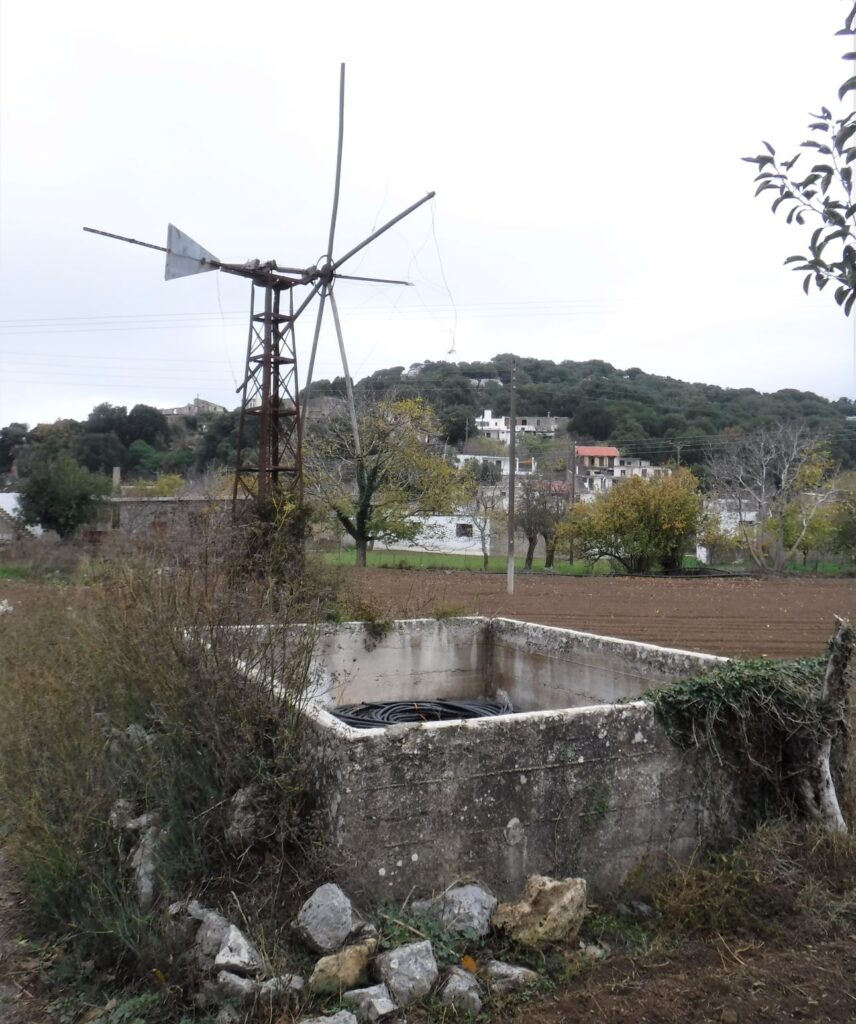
<point>374,280</point>
<point>380,231</point>
<point>308,383</point>
<point>335,213</point>
<point>349,386</point>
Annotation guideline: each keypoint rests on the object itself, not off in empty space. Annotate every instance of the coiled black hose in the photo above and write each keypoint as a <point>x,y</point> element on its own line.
<point>374,714</point>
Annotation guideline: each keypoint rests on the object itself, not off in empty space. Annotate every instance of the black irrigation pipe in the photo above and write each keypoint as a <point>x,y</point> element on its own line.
<point>377,714</point>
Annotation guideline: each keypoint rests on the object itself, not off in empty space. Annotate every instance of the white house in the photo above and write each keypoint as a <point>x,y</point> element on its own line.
<point>450,535</point>
<point>499,427</point>
<point>601,466</point>
<point>523,465</point>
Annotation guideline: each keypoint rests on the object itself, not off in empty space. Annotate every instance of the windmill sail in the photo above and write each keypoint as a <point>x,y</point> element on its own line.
<point>185,257</point>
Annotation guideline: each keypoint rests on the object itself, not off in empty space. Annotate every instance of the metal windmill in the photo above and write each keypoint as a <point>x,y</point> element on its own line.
<point>270,388</point>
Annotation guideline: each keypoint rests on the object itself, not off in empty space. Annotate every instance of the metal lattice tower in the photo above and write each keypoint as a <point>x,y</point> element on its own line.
<point>270,393</point>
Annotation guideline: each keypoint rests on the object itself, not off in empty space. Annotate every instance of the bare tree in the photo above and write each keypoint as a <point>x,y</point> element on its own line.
<point>484,505</point>
<point>776,479</point>
<point>543,504</point>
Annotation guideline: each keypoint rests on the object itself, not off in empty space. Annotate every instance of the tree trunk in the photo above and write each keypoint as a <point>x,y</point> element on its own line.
<point>361,548</point>
<point>550,554</point>
<point>530,552</point>
<point>484,561</point>
<point>815,784</point>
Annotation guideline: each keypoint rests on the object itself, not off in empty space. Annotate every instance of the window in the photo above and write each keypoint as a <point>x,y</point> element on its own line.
<point>463,529</point>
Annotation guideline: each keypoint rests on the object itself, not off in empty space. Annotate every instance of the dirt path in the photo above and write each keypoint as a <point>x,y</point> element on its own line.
<point>737,617</point>
<point>731,983</point>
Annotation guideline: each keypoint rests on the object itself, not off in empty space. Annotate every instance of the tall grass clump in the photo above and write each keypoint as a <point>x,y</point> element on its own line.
<point>162,689</point>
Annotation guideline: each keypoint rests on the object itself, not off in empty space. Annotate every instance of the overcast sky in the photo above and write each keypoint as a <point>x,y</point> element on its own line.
<point>591,202</point>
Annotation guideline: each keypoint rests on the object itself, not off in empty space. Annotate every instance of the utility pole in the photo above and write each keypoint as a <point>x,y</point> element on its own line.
<point>512,470</point>
<point>572,469</point>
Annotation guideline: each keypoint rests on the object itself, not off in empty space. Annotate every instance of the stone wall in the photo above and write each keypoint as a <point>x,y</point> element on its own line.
<point>163,518</point>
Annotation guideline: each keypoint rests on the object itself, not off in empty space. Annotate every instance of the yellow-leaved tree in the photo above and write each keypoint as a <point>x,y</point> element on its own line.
<point>638,523</point>
<point>383,490</point>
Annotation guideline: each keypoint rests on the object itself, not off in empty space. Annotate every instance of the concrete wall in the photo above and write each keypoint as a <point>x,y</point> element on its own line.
<point>588,790</point>
<point>164,517</point>
<point>419,659</point>
<point>541,667</point>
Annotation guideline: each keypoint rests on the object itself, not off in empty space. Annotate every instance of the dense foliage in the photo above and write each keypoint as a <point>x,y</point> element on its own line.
<point>60,495</point>
<point>658,418</point>
<point>642,524</point>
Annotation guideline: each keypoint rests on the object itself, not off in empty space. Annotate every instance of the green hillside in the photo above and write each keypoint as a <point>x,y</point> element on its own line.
<point>644,414</point>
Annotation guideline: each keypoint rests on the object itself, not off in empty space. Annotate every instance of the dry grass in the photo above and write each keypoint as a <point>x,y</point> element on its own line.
<point>152,642</point>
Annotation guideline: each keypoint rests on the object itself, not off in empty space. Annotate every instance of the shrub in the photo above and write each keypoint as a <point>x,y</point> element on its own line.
<point>177,649</point>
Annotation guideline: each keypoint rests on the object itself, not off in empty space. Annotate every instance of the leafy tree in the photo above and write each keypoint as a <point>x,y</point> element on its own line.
<point>144,458</point>
<point>638,523</point>
<point>844,518</point>
<point>100,452</point>
<point>381,492</point>
<point>11,438</point>
<point>145,423</point>
<point>777,480</point>
<point>822,196</point>
<point>108,419</point>
<point>819,534</point>
<point>60,495</point>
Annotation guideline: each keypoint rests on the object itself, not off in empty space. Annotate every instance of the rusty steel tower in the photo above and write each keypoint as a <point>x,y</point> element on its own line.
<point>270,392</point>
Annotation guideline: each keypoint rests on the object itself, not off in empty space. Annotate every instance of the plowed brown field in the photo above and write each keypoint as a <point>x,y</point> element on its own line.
<point>738,617</point>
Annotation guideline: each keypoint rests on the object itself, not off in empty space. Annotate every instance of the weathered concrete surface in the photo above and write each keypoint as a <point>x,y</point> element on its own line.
<point>543,668</point>
<point>587,792</point>
<point>583,791</point>
<point>412,660</point>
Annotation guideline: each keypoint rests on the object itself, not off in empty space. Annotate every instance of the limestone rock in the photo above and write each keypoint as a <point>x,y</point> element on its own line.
<point>234,986</point>
<point>594,950</point>
<point>285,988</point>
<point>371,1004</point>
<point>210,936</point>
<point>343,970</point>
<point>144,861</point>
<point>409,972</point>
<point>508,978</point>
<point>461,991</point>
<point>227,1015</point>
<point>342,1017</point>
<point>466,908</point>
<point>121,813</point>
<point>237,954</point>
<point>181,926</point>
<point>550,910</point>
<point>137,736</point>
<point>326,919</point>
<point>244,819</point>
